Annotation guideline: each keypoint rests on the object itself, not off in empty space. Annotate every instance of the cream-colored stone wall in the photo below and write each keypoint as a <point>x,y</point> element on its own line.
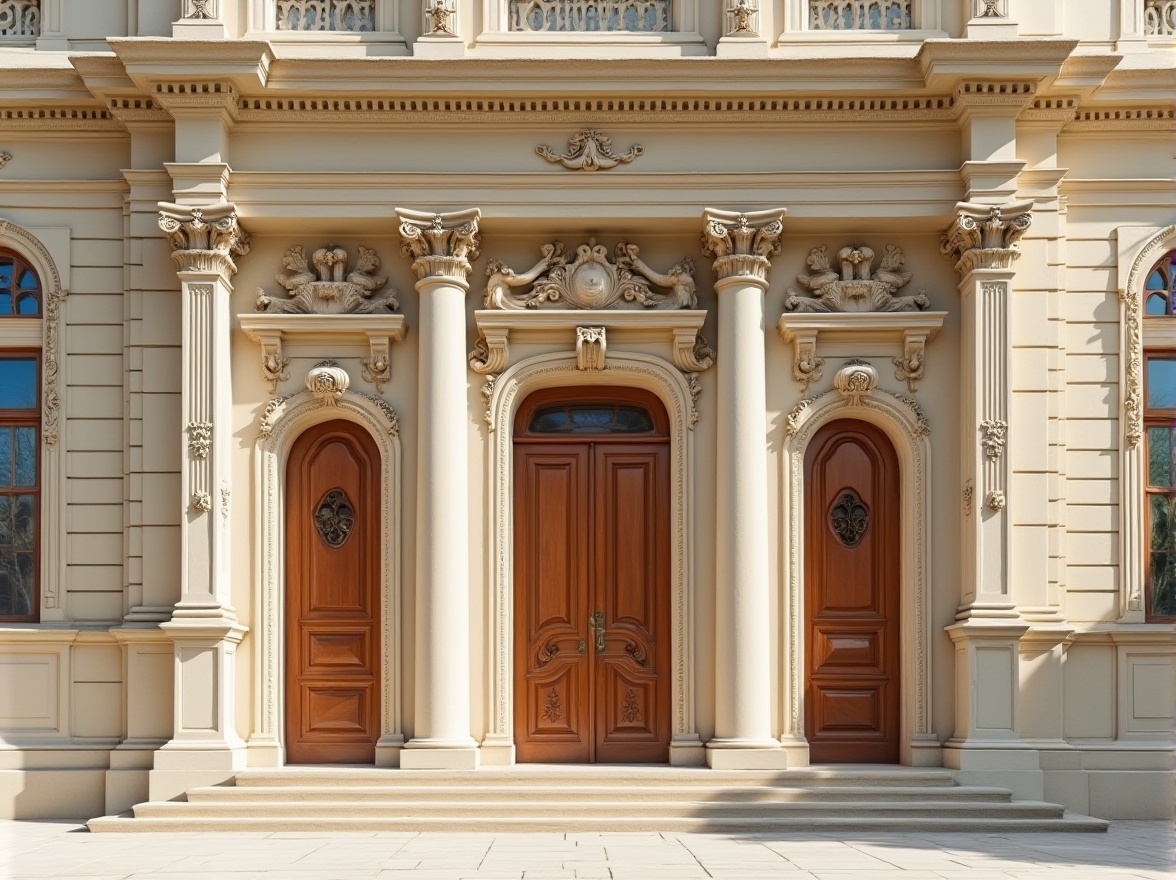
<point>875,156</point>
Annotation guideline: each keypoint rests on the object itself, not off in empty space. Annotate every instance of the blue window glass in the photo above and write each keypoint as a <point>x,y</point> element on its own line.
<point>18,383</point>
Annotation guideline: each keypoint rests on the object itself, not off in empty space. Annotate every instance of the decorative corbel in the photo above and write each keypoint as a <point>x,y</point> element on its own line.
<point>377,368</point>
<point>274,366</point>
<point>491,352</point>
<point>806,366</point>
<point>328,382</point>
<point>913,361</point>
<point>691,352</point>
<point>591,349</point>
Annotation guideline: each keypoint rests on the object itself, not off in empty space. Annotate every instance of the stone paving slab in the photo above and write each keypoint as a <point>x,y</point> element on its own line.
<point>66,851</point>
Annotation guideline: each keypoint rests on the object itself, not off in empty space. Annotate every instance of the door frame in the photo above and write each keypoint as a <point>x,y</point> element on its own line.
<point>506,393</point>
<point>281,423</point>
<point>904,423</point>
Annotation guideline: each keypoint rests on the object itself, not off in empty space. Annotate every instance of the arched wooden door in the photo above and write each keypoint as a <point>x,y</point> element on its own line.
<point>333,596</point>
<point>592,577</point>
<point>852,601</point>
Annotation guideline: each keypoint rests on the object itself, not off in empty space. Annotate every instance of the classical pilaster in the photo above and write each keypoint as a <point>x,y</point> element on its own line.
<point>741,245</point>
<point>982,242</point>
<point>204,627</point>
<point>441,247</point>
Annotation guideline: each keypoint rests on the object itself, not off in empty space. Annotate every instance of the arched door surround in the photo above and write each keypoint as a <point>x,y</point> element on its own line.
<point>592,622</point>
<point>908,430</point>
<point>281,423</point>
<point>851,595</point>
<point>505,393</point>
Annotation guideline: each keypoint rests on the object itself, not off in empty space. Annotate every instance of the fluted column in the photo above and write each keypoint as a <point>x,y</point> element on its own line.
<point>442,246</point>
<point>741,245</point>
<point>205,747</point>
<point>982,242</point>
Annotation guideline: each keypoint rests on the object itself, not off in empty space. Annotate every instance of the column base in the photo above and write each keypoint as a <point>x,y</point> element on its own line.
<point>428,757</point>
<point>752,756</point>
<point>797,750</point>
<point>388,750</point>
<point>924,751</point>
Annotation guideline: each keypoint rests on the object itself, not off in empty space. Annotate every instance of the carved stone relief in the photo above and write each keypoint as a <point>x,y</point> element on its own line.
<point>5,158</point>
<point>806,366</point>
<point>860,15</point>
<point>561,16</point>
<point>591,348</point>
<point>985,236</point>
<point>856,380</point>
<point>438,15</point>
<point>199,439</point>
<point>328,382</point>
<point>994,437</point>
<point>325,290</point>
<point>857,287</point>
<point>589,150</point>
<point>991,8</point>
<point>198,9</point>
<point>969,492</point>
<point>325,15</point>
<point>204,239</point>
<point>591,281</point>
<point>742,18</point>
<point>20,18</point>
<point>910,366</point>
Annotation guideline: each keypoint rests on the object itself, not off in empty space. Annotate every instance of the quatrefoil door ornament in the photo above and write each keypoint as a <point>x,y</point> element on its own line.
<point>849,519</point>
<point>334,518</point>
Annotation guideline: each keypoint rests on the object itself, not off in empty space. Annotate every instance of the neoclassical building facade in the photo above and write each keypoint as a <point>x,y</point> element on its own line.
<point>454,384</point>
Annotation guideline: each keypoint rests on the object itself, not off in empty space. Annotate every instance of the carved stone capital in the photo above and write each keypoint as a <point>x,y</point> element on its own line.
<point>440,245</point>
<point>985,236</point>
<point>741,244</point>
<point>205,238</point>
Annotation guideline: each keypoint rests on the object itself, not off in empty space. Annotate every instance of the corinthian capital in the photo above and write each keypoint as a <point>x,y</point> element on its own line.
<point>986,236</point>
<point>440,244</point>
<point>742,243</point>
<point>204,238</point>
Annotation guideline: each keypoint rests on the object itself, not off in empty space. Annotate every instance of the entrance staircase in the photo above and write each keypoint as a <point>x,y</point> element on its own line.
<point>597,798</point>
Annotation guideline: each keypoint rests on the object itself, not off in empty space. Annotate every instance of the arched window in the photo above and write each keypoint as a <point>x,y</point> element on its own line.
<point>1159,419</point>
<point>20,440</point>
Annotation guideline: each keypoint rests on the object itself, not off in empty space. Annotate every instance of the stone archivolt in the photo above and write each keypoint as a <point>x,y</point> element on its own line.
<point>858,287</point>
<point>328,292</point>
<point>591,281</point>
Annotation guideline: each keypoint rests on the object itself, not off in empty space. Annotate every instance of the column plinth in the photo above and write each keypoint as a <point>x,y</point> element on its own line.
<point>442,246</point>
<point>741,245</point>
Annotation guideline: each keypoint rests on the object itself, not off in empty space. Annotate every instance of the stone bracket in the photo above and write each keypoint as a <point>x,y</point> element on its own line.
<point>591,348</point>
<point>859,334</point>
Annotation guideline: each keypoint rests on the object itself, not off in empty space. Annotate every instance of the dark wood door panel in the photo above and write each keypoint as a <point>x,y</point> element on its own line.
<point>592,610</point>
<point>332,596</point>
<point>852,532</point>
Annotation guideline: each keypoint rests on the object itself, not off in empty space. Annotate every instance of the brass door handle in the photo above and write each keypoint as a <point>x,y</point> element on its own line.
<point>596,623</point>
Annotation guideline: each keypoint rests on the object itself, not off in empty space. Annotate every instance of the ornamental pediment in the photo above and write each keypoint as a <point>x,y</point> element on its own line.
<point>591,280</point>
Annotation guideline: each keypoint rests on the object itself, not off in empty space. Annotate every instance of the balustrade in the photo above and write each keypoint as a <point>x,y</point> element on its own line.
<point>859,15</point>
<point>640,16</point>
<point>20,18</point>
<point>1159,18</point>
<point>325,15</point>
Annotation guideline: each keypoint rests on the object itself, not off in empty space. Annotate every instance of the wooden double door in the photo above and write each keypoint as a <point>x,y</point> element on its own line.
<point>592,615</point>
<point>852,569</point>
<point>333,596</point>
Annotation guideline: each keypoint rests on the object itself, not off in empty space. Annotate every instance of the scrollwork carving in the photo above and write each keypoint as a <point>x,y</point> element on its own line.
<point>986,236</point>
<point>742,243</point>
<point>849,519</point>
<point>589,150</point>
<point>806,366</point>
<point>328,382</point>
<point>592,281</point>
<point>440,245</point>
<point>857,287</point>
<point>334,518</point>
<point>692,354</point>
<point>856,380</point>
<point>204,239</point>
<point>553,707</point>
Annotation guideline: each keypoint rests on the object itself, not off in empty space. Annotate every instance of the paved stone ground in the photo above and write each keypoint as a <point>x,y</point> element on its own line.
<point>66,851</point>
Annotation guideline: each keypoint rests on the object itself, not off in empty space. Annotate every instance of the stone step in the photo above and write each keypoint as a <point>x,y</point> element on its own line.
<point>516,823</point>
<point>478,810</point>
<point>634,776</point>
<point>528,792</point>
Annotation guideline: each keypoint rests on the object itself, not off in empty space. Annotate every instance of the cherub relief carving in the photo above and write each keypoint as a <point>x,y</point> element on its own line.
<point>326,291</point>
<point>857,287</point>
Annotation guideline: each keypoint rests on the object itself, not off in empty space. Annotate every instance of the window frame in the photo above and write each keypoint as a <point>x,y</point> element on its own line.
<point>26,418</point>
<point>1159,343</point>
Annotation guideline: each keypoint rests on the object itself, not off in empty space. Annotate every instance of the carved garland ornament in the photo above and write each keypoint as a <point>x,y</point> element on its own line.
<point>590,150</point>
<point>857,287</point>
<point>591,281</point>
<point>325,290</point>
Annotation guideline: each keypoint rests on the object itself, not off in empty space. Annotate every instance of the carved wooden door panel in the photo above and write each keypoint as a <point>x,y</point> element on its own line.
<point>852,601</point>
<point>592,617</point>
<point>332,596</point>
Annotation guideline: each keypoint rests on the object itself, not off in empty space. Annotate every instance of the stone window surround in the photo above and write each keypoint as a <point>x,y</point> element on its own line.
<point>1139,248</point>
<point>43,333</point>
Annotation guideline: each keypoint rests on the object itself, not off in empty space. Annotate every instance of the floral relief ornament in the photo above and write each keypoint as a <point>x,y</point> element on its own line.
<point>325,290</point>
<point>591,281</point>
<point>590,150</point>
